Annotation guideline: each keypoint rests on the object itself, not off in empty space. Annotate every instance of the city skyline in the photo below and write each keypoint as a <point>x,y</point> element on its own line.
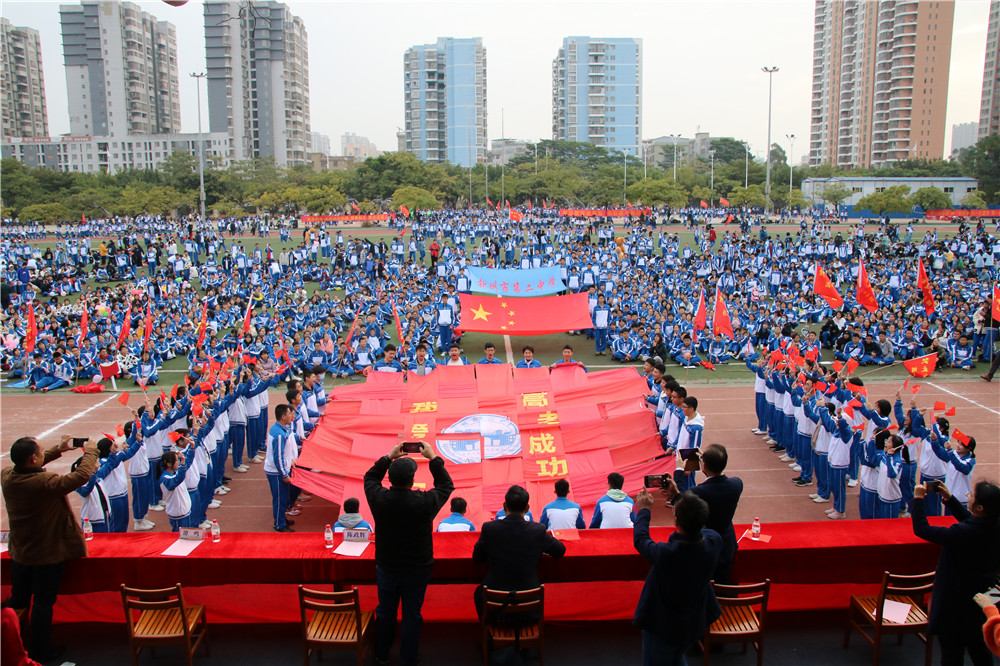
<point>721,91</point>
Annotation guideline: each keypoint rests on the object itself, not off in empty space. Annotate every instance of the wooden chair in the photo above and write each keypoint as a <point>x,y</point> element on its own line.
<point>866,611</point>
<point>500,625</point>
<point>334,620</point>
<point>740,622</point>
<point>160,617</point>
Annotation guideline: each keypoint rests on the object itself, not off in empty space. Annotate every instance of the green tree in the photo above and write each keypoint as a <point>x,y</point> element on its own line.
<point>893,199</point>
<point>414,198</point>
<point>834,194</point>
<point>700,193</point>
<point>747,196</point>
<point>657,192</point>
<point>46,213</point>
<point>930,198</point>
<point>973,200</point>
<point>982,162</point>
<point>727,149</point>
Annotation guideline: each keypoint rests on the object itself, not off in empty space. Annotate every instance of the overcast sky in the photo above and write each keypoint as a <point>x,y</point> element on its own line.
<point>701,61</point>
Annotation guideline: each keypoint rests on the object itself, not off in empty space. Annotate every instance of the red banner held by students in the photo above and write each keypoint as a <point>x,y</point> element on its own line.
<point>602,212</point>
<point>312,219</point>
<point>524,316</point>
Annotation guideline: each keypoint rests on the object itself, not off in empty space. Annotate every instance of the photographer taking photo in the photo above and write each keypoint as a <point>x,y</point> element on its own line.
<point>44,533</point>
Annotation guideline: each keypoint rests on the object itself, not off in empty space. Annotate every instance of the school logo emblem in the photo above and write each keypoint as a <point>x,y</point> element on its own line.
<point>499,437</point>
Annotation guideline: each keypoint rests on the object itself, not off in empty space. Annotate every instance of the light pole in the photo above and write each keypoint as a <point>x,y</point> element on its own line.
<point>711,195</point>
<point>791,168</point>
<point>201,146</point>
<point>624,176</point>
<point>676,138</point>
<point>746,167</point>
<point>770,79</point>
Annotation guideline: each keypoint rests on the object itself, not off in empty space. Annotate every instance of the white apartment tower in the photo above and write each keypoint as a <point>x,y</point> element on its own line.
<point>22,84</point>
<point>880,81</point>
<point>257,59</point>
<point>121,70</point>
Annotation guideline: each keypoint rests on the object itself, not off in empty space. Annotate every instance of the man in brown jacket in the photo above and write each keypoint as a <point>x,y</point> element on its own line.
<point>44,532</point>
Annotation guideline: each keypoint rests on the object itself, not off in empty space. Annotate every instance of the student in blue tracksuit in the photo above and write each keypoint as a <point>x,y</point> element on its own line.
<point>615,509</point>
<point>351,518</point>
<point>115,484</point>
<point>173,467</point>
<point>489,355</point>
<point>889,461</point>
<point>457,522</point>
<point>562,513</point>
<point>278,462</point>
<point>602,317</point>
<point>529,358</point>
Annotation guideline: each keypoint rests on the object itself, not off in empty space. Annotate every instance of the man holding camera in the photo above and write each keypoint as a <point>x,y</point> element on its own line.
<point>404,546</point>
<point>44,533</point>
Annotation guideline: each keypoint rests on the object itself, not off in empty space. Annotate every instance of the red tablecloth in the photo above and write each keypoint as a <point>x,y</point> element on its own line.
<point>250,577</point>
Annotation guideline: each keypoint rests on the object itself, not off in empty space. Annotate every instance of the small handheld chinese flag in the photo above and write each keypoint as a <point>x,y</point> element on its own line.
<point>123,398</point>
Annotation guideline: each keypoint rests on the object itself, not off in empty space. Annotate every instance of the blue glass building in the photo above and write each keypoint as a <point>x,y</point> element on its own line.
<point>597,92</point>
<point>445,101</point>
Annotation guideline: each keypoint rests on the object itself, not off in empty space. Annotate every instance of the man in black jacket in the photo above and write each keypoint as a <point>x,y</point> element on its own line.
<point>513,546</point>
<point>970,559</point>
<point>677,603</point>
<point>722,494</point>
<point>404,547</point>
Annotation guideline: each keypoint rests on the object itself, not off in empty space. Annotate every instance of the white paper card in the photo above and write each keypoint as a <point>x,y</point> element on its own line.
<point>181,547</point>
<point>894,611</point>
<point>351,548</point>
<point>356,535</point>
<point>193,533</point>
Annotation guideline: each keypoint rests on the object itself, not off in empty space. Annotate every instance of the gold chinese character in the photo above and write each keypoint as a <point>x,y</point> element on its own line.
<point>552,467</point>
<point>419,430</point>
<point>535,399</point>
<point>424,407</point>
<point>541,444</point>
<point>548,418</point>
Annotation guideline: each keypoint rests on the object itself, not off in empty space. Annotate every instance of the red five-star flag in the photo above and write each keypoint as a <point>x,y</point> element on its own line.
<point>148,327</point>
<point>203,325</point>
<point>925,286</point>
<point>721,323</point>
<point>922,366</point>
<point>700,317</point>
<point>126,325</point>
<point>524,316</point>
<point>824,288</point>
<point>32,333</point>
<point>865,295</point>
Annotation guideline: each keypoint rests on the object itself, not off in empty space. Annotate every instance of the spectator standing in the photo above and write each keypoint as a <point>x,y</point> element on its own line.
<point>404,547</point>
<point>44,533</point>
<point>677,603</point>
<point>970,559</point>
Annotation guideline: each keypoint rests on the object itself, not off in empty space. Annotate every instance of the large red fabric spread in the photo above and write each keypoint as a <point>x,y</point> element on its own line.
<point>496,426</point>
<point>253,577</point>
<point>509,315</point>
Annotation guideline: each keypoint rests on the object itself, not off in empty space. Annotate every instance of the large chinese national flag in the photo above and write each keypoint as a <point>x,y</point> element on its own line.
<point>524,316</point>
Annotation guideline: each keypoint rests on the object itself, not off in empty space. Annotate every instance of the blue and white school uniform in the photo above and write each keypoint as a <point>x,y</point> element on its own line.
<point>562,514</point>
<point>889,493</point>
<point>281,453</point>
<point>456,522</point>
<point>176,495</point>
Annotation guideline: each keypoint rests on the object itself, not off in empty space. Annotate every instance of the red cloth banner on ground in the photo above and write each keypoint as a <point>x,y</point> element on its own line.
<point>604,212</point>
<point>496,426</point>
<point>311,219</point>
<point>524,316</point>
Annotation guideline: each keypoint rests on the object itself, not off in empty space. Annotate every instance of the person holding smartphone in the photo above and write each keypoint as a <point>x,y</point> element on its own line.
<point>44,533</point>
<point>970,559</point>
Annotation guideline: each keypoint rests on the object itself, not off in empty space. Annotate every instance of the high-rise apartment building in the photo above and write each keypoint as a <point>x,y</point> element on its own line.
<point>880,81</point>
<point>989,109</point>
<point>258,79</point>
<point>597,92</point>
<point>121,70</point>
<point>22,83</point>
<point>358,147</point>
<point>444,89</point>
<point>963,135</point>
